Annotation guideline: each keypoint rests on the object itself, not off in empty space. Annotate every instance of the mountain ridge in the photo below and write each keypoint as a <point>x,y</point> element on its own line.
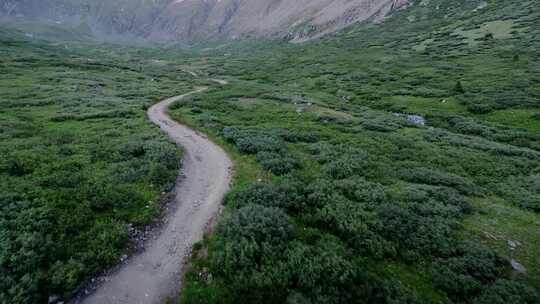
<point>189,21</point>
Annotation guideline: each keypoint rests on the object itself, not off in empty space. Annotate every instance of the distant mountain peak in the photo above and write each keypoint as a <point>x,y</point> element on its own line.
<point>201,20</point>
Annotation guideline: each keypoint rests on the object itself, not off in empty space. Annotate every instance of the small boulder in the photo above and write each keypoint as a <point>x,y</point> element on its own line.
<point>518,267</point>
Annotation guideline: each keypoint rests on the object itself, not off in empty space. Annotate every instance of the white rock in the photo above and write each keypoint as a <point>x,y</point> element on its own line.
<point>518,267</point>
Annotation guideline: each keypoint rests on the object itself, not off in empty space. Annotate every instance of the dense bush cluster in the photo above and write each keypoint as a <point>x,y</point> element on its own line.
<point>384,209</point>
<point>343,221</point>
<point>78,164</point>
<point>437,178</point>
<point>481,144</point>
<point>506,135</point>
<point>45,249</point>
<point>270,146</point>
<point>263,257</point>
<point>523,191</point>
<point>105,114</point>
<point>341,226</point>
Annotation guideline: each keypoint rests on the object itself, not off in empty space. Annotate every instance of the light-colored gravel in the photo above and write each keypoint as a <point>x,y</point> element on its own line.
<point>155,274</point>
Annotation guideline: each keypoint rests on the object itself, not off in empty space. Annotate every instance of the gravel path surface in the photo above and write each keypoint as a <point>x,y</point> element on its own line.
<point>155,274</point>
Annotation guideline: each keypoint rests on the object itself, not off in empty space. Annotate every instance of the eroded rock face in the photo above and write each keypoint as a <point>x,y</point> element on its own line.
<point>192,20</point>
<point>398,4</point>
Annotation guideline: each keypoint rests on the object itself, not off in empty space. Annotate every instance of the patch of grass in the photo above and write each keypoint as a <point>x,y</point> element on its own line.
<point>499,29</point>
<point>517,118</point>
<point>427,106</point>
<point>498,223</point>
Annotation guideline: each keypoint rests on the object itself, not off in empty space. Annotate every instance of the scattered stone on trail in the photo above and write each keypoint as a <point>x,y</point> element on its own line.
<point>518,267</point>
<point>123,258</point>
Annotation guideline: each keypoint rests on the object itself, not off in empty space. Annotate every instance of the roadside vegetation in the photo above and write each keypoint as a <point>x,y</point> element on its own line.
<point>81,168</point>
<point>398,163</point>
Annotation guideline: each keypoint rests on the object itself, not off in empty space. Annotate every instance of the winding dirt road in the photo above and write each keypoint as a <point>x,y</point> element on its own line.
<point>155,274</point>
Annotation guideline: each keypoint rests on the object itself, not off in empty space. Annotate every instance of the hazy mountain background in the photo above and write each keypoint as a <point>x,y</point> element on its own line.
<point>396,161</point>
<point>188,21</point>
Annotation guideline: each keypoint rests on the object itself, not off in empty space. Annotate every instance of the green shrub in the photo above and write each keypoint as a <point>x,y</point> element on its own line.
<point>66,276</point>
<point>523,191</point>
<point>251,243</point>
<point>132,149</point>
<point>258,224</point>
<point>253,141</point>
<point>515,137</point>
<point>508,292</point>
<point>417,228</point>
<point>352,223</point>
<point>346,166</point>
<point>17,166</point>
<point>438,178</point>
<point>324,273</point>
<point>103,196</point>
<point>480,144</point>
<point>262,194</point>
<point>458,88</point>
<point>380,125</point>
<point>421,194</point>
<point>479,108</point>
<point>470,267</point>
<point>278,164</point>
<point>164,153</point>
<point>321,270</point>
<point>360,190</point>
<point>26,245</point>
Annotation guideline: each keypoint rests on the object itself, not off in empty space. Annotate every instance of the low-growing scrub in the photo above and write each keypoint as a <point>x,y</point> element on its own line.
<point>78,164</point>
<point>349,210</point>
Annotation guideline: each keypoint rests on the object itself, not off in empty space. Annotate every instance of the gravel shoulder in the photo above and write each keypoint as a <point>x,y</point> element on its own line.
<point>155,274</point>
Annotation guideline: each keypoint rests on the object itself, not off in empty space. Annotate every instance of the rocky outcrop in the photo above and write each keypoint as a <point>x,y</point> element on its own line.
<point>399,4</point>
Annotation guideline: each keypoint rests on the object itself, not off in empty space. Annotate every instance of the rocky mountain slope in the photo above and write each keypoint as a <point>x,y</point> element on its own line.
<point>196,20</point>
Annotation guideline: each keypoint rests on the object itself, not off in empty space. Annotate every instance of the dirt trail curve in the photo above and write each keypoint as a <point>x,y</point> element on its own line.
<point>155,274</point>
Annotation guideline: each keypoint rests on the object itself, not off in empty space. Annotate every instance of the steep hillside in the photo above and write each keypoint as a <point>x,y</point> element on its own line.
<point>196,20</point>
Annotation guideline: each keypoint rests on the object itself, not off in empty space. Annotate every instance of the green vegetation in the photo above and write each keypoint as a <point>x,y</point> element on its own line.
<point>354,201</point>
<point>79,164</point>
<point>389,163</point>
